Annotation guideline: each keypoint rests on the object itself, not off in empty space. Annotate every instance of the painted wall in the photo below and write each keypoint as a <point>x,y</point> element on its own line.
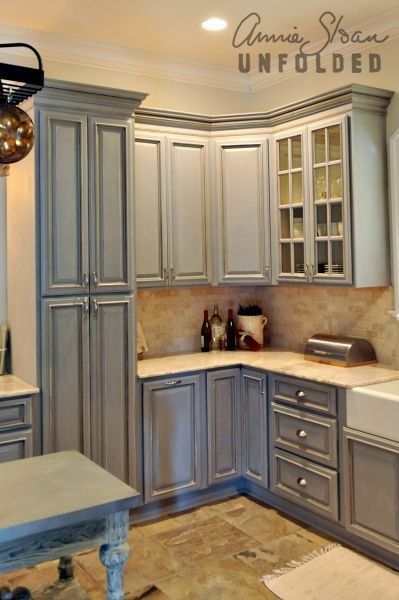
<point>171,319</point>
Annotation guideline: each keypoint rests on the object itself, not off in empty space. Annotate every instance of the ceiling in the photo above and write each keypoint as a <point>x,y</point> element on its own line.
<point>172,27</point>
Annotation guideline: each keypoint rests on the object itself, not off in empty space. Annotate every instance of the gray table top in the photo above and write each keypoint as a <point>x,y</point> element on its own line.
<point>56,490</point>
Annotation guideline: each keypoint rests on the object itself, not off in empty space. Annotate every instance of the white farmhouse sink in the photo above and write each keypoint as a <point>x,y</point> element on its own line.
<point>375,409</point>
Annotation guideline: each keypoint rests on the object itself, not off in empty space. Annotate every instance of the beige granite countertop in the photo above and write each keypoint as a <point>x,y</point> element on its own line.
<point>11,387</point>
<point>276,361</point>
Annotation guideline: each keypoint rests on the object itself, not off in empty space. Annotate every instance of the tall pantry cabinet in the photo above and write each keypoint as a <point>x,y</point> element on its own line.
<point>71,273</point>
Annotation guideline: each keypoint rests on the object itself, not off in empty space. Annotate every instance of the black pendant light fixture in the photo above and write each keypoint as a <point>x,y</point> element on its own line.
<point>17,132</point>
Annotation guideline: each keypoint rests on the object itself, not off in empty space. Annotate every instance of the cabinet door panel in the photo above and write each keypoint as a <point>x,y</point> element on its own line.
<point>243,232</point>
<point>63,200</point>
<point>371,471</point>
<point>150,207</point>
<point>66,375</point>
<point>173,426</point>
<point>112,342</point>
<point>111,213</point>
<point>254,426</point>
<point>188,202</point>
<point>224,425</point>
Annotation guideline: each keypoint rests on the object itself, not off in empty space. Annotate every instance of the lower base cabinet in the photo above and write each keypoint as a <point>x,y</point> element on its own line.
<point>371,470</point>
<point>224,425</point>
<point>254,427</point>
<point>15,428</point>
<point>174,436</point>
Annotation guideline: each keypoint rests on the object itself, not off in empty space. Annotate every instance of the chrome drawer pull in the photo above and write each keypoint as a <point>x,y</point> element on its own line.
<point>174,382</point>
<point>301,433</point>
<point>302,482</point>
<point>300,394</point>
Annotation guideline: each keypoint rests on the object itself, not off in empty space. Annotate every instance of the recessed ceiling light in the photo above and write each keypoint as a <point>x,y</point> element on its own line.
<point>214,24</point>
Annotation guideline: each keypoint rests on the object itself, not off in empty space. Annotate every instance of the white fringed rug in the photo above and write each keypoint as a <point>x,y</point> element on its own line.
<point>334,573</point>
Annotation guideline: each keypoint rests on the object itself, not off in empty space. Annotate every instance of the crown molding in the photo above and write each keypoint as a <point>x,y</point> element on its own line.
<point>97,55</point>
<point>359,97</point>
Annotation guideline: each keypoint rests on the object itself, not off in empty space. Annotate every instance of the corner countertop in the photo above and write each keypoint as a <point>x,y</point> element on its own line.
<point>270,359</point>
<point>12,387</point>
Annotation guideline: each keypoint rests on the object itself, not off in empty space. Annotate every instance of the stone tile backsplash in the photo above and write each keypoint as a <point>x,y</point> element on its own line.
<point>172,318</point>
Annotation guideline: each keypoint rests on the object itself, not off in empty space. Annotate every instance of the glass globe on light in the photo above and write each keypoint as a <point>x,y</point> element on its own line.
<point>17,134</point>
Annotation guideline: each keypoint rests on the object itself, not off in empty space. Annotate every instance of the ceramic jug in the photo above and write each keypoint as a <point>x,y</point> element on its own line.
<point>253,325</point>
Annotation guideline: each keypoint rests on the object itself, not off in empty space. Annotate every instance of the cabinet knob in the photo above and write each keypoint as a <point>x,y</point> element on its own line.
<point>94,279</point>
<point>95,309</point>
<point>301,433</point>
<point>302,482</point>
<point>85,308</point>
<point>165,276</point>
<point>300,394</point>
<point>172,274</point>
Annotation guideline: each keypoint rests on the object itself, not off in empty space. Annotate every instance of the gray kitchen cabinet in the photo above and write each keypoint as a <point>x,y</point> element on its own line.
<point>224,425</point>
<point>241,185</point>
<point>111,209</point>
<point>371,491</point>
<point>173,240</point>
<point>150,244</point>
<point>254,426</point>
<point>66,375</point>
<point>112,354</point>
<point>87,221</point>
<point>174,436</point>
<point>88,379</point>
<point>63,203</point>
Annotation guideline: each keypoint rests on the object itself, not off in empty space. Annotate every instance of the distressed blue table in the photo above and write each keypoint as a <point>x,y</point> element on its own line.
<point>59,504</point>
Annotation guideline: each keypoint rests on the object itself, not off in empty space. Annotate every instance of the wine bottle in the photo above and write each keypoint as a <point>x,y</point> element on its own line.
<point>230,332</point>
<point>217,328</point>
<point>206,333</point>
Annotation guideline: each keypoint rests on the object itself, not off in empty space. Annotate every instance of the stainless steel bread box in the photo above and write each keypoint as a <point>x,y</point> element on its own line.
<point>339,350</point>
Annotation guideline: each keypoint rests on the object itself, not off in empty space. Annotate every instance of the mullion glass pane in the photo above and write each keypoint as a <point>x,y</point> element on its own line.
<point>320,183</point>
<point>321,221</point>
<point>322,257</point>
<point>283,155</point>
<point>319,146</point>
<point>284,189</point>
<point>335,181</point>
<point>337,258</point>
<point>296,183</point>
<point>334,143</point>
<point>297,222</point>
<point>296,152</point>
<point>285,229</point>
<point>299,253</point>
<point>286,258</point>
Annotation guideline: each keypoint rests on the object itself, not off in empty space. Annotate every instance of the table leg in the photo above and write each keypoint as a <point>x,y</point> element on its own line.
<point>115,554</point>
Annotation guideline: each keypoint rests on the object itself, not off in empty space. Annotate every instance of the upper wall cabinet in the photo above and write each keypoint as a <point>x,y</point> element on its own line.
<point>241,186</point>
<point>86,238</point>
<point>329,202</point>
<point>172,210</point>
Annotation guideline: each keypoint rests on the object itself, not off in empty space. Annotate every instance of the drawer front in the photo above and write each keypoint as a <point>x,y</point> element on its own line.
<point>15,413</point>
<point>15,445</point>
<point>305,483</point>
<point>311,436</point>
<point>305,394</point>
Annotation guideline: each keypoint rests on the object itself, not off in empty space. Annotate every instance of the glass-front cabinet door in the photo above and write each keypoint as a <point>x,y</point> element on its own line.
<point>329,202</point>
<point>290,158</point>
<point>311,203</point>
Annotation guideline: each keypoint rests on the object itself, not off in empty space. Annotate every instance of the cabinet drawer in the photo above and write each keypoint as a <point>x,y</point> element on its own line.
<point>305,483</point>
<point>15,445</point>
<point>15,413</point>
<point>306,394</point>
<point>311,436</point>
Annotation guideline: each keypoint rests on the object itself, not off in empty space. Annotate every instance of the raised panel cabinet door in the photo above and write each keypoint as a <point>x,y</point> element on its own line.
<point>111,205</point>
<point>189,236</point>
<point>371,488</point>
<point>243,231</point>
<point>112,351</point>
<point>254,427</point>
<point>63,203</point>
<point>15,445</point>
<point>224,425</point>
<point>66,374</point>
<point>174,434</point>
<point>150,240</point>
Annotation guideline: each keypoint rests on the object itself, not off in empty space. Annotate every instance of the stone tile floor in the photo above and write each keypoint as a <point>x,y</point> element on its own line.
<point>216,552</point>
